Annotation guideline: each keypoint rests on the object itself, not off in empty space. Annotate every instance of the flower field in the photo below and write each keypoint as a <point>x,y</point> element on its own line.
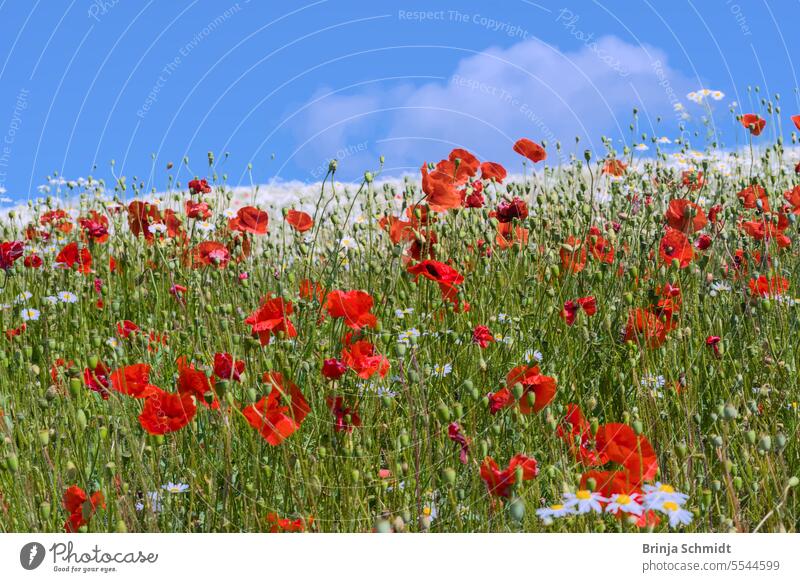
<point>601,344</point>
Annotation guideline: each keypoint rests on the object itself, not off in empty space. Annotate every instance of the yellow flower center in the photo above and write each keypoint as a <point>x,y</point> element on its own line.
<point>670,506</point>
<point>557,507</point>
<point>583,494</point>
<point>426,511</point>
<point>667,489</point>
<point>623,499</point>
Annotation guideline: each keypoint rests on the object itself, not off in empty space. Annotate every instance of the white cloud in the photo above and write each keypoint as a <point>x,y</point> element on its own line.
<point>492,98</point>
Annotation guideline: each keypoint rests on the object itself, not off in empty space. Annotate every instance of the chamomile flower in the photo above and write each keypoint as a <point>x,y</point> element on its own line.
<point>112,342</point>
<point>677,514</point>
<point>557,510</point>
<point>206,227</point>
<point>175,487</point>
<point>407,336</point>
<point>23,297</point>
<point>442,370</point>
<point>533,355</point>
<point>401,313</point>
<point>229,213</point>
<point>717,95</point>
<point>584,501</point>
<point>502,317</point>
<point>157,228</point>
<point>656,495</point>
<point>664,140</point>
<point>67,297</point>
<point>627,503</point>
<point>347,242</point>
<point>30,314</point>
<point>641,147</point>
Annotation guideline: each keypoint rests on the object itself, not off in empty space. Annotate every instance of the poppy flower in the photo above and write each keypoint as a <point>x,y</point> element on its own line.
<point>575,430</point>
<point>211,253</point>
<point>199,186</point>
<point>133,381</point>
<point>345,417</point>
<point>164,412</point>
<point>440,190</point>
<point>675,246</point>
<point>614,167</point>
<point>493,171</point>
<point>712,341</point>
<point>80,506</point>
<point>333,369</point>
<point>250,219</point>
<point>693,180</point>
<point>767,229</point>
<point>353,306</point>
<point>508,211</point>
<point>753,123</point>
<point>543,387</point>
<point>531,150</point>
<point>475,199</point>
<point>286,525</point>
<point>58,219</point>
<point>192,381</point>
<point>72,256</point>
<point>97,379</point>
<point>362,357</point>
<point>499,400</point>
<point>685,216</point>
<point>298,220</point>
<point>499,482</point>
<point>793,198</point>
<point>310,290</point>
<point>446,276</point>
<point>620,444</point>
<point>571,308</point>
<point>796,121</point>
<point>15,332</point>
<point>32,262</point>
<point>509,235</point>
<point>754,197</point>
<point>454,434</point>
<point>9,253</point>
<point>600,248</point>
<point>227,368</point>
<point>573,255</point>
<point>95,227</point>
<point>197,210</point>
<point>466,164</point>
<point>773,287</point>
<point>482,336</point>
<point>703,242</point>
<point>271,318</point>
<point>645,325</point>
<point>126,328</point>
<point>279,414</point>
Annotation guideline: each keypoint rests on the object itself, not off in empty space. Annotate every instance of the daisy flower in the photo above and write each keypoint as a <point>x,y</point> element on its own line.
<point>442,370</point>
<point>206,227</point>
<point>347,242</point>
<point>557,510</point>
<point>584,501</point>
<point>532,355</point>
<point>627,503</point>
<point>67,297</point>
<point>229,213</point>
<point>157,228</point>
<point>677,514</point>
<point>23,297</point>
<point>175,487</point>
<point>30,314</point>
<point>656,495</point>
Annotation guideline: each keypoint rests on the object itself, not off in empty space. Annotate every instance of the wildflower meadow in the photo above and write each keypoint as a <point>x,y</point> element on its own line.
<point>600,343</point>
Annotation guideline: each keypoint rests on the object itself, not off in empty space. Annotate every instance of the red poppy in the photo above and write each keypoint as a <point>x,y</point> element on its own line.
<point>509,235</point>
<point>95,227</point>
<point>286,525</point>
<point>499,400</point>
<point>133,380</point>
<point>271,318</point>
<point>362,357</point>
<point>446,276</point>
<point>271,416</point>
<point>614,167</point>
<point>72,256</point>
<point>685,216</point>
<point>600,248</point>
<point>769,229</point>
<point>126,328</point>
<point>644,324</point>
<point>454,434</point>
<point>9,253</point>
<point>81,507</point>
<point>693,179</point>
<point>493,171</point>
<point>466,164</point>
<point>32,262</point>
<point>500,482</point>
<point>712,341</point>
<point>199,210</point>
<point>543,387</point>
<point>226,368</point>
<point>675,246</point>
<point>482,336</point>
<point>773,287</point>
<point>796,121</point>
<point>333,369</point>
<point>571,308</point>
<point>164,412</point>
<point>531,150</point>
<point>250,219</point>
<point>192,381</point>
<point>298,220</point>
<point>508,211</point>
<point>578,437</point>
<point>211,253</point>
<point>440,190</point>
<point>310,290</point>
<point>59,219</point>
<point>97,379</point>
<point>752,195</point>
<point>620,444</point>
<point>573,255</point>
<point>754,123</point>
<point>345,417</point>
<point>793,198</point>
<point>353,306</point>
<point>199,186</point>
<point>703,242</point>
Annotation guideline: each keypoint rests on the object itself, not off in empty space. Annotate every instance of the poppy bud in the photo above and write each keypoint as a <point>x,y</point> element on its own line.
<point>716,440</point>
<point>71,471</point>
<point>80,418</point>
<point>591,483</point>
<point>449,475</point>
<point>516,509</point>
<point>793,482</point>
<point>780,441</point>
<point>730,412</point>
<point>716,485</point>
<point>443,412</point>
<point>44,510</point>
<point>637,427</point>
<point>44,437</point>
<point>120,527</point>
<point>12,463</point>
<point>765,443</point>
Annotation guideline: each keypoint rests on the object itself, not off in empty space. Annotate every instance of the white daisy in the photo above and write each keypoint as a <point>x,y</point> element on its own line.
<point>67,297</point>
<point>585,501</point>
<point>677,514</point>
<point>656,495</point>
<point>157,228</point>
<point>532,355</point>
<point>442,370</point>
<point>175,487</point>
<point>557,510</point>
<point>627,503</point>
<point>30,314</point>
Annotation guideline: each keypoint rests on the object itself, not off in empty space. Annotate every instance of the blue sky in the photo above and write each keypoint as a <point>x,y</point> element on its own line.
<point>288,85</point>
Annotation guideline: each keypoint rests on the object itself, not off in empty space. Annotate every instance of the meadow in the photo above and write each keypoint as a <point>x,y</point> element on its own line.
<point>600,344</point>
